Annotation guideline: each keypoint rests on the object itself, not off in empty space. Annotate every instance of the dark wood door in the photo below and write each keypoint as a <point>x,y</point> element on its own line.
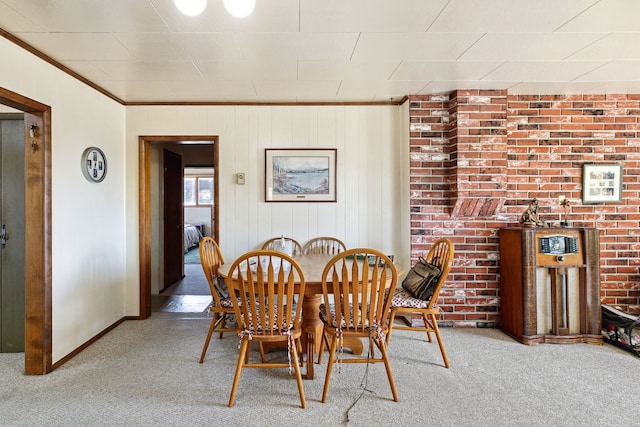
<point>12,252</point>
<point>173,219</point>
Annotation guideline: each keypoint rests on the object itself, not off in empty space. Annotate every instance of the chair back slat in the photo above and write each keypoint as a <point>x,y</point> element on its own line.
<point>352,284</point>
<point>378,299</point>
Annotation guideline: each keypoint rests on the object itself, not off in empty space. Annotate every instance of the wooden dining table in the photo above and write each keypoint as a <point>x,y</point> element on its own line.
<point>313,266</point>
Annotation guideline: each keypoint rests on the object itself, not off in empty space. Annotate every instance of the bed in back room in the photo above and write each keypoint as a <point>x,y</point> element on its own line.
<point>192,236</point>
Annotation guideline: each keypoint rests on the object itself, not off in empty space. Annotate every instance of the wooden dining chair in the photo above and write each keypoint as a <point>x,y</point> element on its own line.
<point>221,305</point>
<point>324,245</point>
<point>275,244</point>
<point>268,282</point>
<point>404,304</point>
<point>355,286</point>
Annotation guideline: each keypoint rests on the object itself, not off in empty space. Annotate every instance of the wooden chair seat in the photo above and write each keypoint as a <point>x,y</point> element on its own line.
<point>268,284</point>
<point>221,305</point>
<point>356,305</point>
<point>404,304</point>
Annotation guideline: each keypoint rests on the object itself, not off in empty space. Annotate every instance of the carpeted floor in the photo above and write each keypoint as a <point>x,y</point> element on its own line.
<point>193,256</point>
<point>146,373</point>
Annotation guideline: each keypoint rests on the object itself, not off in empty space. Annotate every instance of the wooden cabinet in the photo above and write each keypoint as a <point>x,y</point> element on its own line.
<point>550,284</point>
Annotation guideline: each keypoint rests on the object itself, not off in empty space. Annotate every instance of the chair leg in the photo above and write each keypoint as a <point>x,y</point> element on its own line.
<point>392,318</point>
<point>321,348</point>
<point>323,341</point>
<point>327,378</point>
<point>214,322</point>
<point>236,378</point>
<point>223,321</point>
<point>439,338</point>
<point>296,367</point>
<point>382,346</point>
<point>262,359</point>
<point>300,356</point>
<point>427,326</point>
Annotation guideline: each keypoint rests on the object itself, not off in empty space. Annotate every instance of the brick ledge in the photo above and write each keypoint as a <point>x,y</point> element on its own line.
<point>473,207</point>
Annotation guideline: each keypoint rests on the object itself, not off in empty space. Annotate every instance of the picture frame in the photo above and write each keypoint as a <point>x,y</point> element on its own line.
<point>601,183</point>
<point>300,175</point>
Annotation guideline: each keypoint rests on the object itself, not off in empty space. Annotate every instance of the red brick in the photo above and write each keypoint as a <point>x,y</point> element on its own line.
<point>525,162</point>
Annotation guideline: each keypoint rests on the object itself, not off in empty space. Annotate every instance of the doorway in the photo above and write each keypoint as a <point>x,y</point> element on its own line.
<point>149,242</point>
<point>37,235</point>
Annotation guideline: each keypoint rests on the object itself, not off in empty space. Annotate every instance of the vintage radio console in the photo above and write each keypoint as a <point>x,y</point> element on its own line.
<point>550,284</point>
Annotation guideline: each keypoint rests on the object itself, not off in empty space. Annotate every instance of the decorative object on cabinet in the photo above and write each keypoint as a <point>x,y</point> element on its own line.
<point>94,164</point>
<point>601,183</point>
<point>529,217</point>
<point>564,204</point>
<point>300,175</point>
<point>550,284</point>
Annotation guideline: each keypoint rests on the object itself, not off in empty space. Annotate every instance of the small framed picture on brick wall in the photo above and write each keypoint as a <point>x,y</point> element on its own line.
<point>601,183</point>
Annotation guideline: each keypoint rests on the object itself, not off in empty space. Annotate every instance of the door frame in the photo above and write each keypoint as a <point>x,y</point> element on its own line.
<point>144,202</point>
<point>38,259</point>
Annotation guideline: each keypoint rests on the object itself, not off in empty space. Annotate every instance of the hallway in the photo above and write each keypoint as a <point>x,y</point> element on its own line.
<point>189,295</point>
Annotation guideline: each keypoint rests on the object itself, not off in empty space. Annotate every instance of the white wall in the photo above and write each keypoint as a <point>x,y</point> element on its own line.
<point>372,172</point>
<point>199,215</point>
<point>88,235</point>
<point>95,265</point>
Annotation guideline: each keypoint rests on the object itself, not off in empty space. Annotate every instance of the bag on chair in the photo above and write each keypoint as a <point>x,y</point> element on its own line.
<point>422,279</point>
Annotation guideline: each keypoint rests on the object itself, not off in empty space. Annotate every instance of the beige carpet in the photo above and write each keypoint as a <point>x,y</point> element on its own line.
<point>145,373</point>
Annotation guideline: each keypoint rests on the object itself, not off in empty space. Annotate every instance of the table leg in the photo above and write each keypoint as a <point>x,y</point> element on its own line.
<point>312,332</point>
<point>310,356</point>
<point>311,329</point>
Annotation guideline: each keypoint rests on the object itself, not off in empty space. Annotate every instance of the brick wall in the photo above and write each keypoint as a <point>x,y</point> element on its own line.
<point>479,157</point>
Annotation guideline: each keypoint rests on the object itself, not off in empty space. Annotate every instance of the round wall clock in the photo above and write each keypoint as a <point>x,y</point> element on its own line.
<point>94,164</point>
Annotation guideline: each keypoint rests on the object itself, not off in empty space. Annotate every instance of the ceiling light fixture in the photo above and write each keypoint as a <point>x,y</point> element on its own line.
<point>239,8</point>
<point>191,7</point>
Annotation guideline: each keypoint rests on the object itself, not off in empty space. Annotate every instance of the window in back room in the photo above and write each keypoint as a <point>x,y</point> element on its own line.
<point>198,187</point>
<point>199,197</point>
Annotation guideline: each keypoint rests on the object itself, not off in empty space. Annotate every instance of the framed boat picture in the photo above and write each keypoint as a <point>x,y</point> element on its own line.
<point>300,175</point>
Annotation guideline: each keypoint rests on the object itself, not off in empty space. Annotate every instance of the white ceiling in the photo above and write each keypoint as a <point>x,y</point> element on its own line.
<point>299,51</point>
